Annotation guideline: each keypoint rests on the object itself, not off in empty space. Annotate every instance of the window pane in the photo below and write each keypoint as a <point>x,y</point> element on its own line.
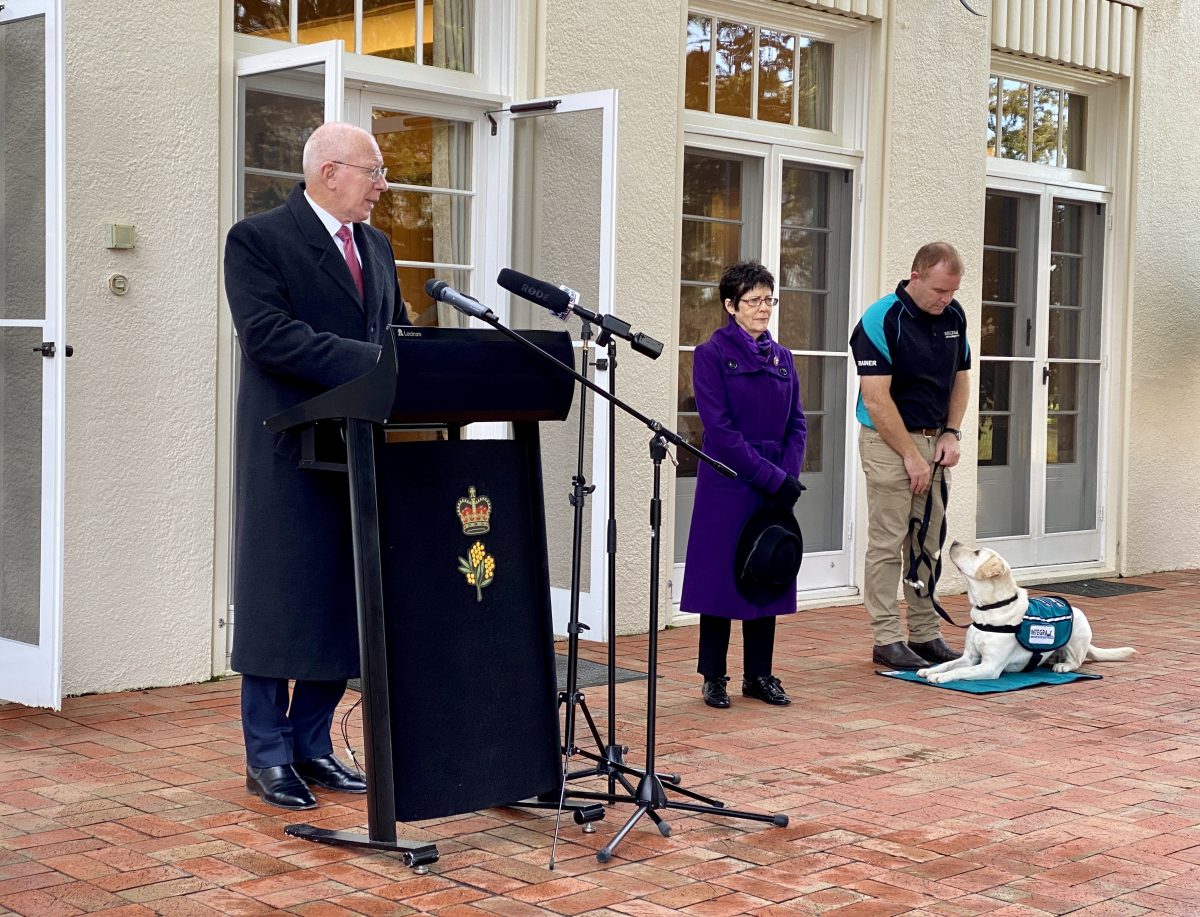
<point>776,76</point>
<point>274,128</point>
<point>1064,333</point>
<point>999,276</point>
<point>448,35</point>
<point>390,29</point>
<point>734,68</point>
<point>821,509</point>
<point>994,386</point>
<point>1074,148</point>
<point>325,20</point>
<point>700,313</point>
<point>1066,280</point>
<point>690,427</point>
<point>802,320</point>
<point>993,100</point>
<point>699,62</point>
<point>993,439</point>
<point>815,70</point>
<point>805,197</point>
<point>1045,125</point>
<point>268,18</point>
<point>1014,127</point>
<point>996,331</point>
<point>1000,220</point>
<point>1066,233</point>
<point>712,187</point>
<point>802,257</point>
<point>708,248</point>
<point>421,150</point>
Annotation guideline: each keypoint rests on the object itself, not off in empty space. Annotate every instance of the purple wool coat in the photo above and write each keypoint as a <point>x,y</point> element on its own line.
<point>754,423</point>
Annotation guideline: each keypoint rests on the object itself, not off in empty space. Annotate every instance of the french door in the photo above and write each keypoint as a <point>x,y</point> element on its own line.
<point>32,352</point>
<point>1042,372</point>
<point>795,215</point>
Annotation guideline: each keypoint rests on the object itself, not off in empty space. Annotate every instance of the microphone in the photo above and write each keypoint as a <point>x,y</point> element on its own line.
<point>440,291</point>
<point>559,301</point>
<point>562,301</point>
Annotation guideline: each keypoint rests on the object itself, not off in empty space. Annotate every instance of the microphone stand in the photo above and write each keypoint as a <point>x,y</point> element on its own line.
<point>650,794</point>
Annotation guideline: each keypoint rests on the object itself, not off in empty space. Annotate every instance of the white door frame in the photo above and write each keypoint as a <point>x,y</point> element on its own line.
<point>1039,549</point>
<point>593,603</point>
<point>29,674</point>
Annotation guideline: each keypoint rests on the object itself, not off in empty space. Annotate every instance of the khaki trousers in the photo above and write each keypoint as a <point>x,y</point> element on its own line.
<point>890,506</point>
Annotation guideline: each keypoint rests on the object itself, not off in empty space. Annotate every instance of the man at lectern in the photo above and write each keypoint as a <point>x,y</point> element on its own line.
<point>312,289</point>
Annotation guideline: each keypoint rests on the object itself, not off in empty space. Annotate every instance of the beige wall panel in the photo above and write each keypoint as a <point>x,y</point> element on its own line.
<point>934,174</point>
<point>142,129</point>
<point>1163,508</point>
<point>641,59</point>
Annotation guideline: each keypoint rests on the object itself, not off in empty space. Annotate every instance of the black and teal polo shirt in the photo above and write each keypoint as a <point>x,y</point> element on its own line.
<point>921,352</point>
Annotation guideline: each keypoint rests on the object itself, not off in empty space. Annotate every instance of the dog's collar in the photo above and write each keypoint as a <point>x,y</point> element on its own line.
<point>1012,598</point>
<point>997,628</point>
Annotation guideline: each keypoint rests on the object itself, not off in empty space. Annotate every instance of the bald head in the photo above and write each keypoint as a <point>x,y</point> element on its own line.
<point>338,159</point>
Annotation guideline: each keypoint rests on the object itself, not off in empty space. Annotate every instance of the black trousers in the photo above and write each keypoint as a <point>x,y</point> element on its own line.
<point>758,646</point>
<point>282,730</point>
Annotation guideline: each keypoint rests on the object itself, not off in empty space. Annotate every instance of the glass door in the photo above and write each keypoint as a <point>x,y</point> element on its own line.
<point>1041,374</point>
<point>752,201</point>
<point>32,353</point>
<point>282,97</point>
<point>552,217</point>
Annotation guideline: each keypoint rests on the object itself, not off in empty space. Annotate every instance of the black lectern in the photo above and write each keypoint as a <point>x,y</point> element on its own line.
<point>451,573</point>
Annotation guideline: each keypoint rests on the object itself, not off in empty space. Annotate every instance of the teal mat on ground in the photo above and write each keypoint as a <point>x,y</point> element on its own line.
<point>1009,681</point>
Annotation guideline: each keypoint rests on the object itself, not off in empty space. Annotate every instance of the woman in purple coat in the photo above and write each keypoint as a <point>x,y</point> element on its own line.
<point>748,397</point>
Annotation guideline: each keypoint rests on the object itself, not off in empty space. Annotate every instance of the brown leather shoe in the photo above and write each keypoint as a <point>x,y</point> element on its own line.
<point>935,650</point>
<point>897,656</point>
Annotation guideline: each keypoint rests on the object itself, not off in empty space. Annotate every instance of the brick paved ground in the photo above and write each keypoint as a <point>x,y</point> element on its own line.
<point>904,799</point>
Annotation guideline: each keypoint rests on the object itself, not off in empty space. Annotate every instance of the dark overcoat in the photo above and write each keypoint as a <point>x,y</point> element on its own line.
<point>754,423</point>
<point>302,329</point>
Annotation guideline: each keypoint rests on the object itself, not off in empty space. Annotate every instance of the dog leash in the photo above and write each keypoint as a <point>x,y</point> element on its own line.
<point>918,555</point>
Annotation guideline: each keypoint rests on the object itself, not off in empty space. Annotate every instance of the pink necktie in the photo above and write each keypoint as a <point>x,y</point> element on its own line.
<point>351,259</point>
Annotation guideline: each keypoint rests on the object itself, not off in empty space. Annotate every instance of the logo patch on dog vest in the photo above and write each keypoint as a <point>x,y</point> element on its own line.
<point>1047,624</point>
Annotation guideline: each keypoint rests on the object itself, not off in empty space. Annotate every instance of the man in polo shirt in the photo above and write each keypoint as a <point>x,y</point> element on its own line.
<point>913,365</point>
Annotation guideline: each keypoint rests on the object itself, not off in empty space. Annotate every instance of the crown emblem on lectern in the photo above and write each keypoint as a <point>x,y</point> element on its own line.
<point>474,513</point>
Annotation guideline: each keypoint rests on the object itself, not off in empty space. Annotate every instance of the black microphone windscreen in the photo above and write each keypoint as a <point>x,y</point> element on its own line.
<point>433,287</point>
<point>537,291</point>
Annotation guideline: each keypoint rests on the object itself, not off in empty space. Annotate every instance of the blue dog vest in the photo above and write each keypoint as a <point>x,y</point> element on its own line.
<point>1046,627</point>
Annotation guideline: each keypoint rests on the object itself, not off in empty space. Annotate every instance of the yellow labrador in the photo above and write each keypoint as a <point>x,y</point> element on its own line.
<point>996,600</point>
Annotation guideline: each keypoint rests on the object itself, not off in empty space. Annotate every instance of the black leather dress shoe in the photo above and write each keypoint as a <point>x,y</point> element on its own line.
<point>767,689</point>
<point>715,692</point>
<point>330,773</point>
<point>897,656</point>
<point>279,786</point>
<point>935,650</point>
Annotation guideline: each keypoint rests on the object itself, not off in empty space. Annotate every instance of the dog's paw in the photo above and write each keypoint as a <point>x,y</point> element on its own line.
<point>923,673</point>
<point>1061,667</point>
<point>936,678</point>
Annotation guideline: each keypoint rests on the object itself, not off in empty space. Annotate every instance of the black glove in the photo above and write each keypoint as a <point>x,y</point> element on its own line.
<point>788,493</point>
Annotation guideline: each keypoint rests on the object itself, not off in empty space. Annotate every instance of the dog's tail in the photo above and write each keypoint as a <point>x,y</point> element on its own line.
<point>1099,654</point>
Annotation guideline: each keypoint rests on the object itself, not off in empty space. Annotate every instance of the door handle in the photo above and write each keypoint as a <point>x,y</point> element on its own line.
<point>47,349</point>
<point>1045,373</point>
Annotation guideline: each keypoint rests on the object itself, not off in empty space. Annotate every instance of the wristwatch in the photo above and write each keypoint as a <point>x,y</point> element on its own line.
<point>957,433</point>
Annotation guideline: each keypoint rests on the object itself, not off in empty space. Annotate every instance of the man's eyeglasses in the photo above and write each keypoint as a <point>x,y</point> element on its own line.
<point>770,301</point>
<point>376,172</point>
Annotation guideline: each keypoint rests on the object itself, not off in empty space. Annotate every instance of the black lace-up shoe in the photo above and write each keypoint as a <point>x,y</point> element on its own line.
<point>897,656</point>
<point>715,692</point>
<point>279,786</point>
<point>767,689</point>
<point>332,774</point>
<point>935,650</point>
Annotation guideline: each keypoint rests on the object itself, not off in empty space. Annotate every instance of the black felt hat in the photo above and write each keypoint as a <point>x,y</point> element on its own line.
<point>768,555</point>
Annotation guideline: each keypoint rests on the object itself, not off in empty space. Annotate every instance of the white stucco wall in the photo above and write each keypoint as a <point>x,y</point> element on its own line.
<point>642,62</point>
<point>142,134</point>
<point>927,164</point>
<point>1163,503</point>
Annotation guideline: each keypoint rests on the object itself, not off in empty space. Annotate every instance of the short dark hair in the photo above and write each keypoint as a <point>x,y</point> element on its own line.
<point>739,279</point>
